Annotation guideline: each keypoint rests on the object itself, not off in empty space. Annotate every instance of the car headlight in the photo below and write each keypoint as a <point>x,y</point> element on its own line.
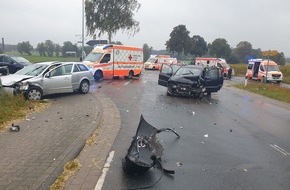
<point>22,86</point>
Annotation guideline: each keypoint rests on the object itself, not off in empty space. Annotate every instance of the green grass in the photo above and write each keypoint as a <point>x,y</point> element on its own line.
<point>37,59</point>
<point>16,107</point>
<point>270,90</point>
<point>11,108</point>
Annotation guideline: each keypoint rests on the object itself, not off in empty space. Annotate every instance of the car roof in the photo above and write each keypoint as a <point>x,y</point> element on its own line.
<point>48,63</point>
<point>193,66</point>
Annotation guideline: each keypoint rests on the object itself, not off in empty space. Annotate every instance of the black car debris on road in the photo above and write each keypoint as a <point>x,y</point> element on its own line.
<point>190,80</point>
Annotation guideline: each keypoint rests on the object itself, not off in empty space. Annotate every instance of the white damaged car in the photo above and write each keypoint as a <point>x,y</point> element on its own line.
<point>45,78</point>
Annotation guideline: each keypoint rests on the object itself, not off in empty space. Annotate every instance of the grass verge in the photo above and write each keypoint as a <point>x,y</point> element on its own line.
<point>16,107</point>
<point>69,169</point>
<point>270,90</point>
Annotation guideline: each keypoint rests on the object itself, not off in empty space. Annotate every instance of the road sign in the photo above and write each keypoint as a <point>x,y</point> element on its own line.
<point>270,53</point>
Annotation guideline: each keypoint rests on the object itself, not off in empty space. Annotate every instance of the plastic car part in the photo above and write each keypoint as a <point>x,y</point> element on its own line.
<point>145,150</point>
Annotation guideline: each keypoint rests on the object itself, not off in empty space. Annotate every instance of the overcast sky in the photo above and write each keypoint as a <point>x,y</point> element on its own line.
<point>263,23</point>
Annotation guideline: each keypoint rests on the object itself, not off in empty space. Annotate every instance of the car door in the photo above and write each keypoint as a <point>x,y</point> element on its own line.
<point>58,80</point>
<point>166,72</point>
<point>213,79</point>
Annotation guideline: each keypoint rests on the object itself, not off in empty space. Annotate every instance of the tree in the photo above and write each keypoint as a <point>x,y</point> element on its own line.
<point>279,58</point>
<point>57,50</point>
<point>24,47</point>
<point>179,40</point>
<point>146,52</point>
<point>220,48</point>
<point>69,49</point>
<point>243,51</point>
<point>49,46</point>
<point>198,46</point>
<point>41,49</point>
<point>109,16</point>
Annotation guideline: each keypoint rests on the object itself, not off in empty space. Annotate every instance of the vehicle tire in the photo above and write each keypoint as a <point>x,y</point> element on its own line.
<point>98,75</point>
<point>264,80</point>
<point>131,73</point>
<point>153,68</point>
<point>278,82</point>
<point>84,87</point>
<point>33,93</point>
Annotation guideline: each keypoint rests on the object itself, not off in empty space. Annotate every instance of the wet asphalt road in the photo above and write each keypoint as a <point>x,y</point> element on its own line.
<point>233,140</point>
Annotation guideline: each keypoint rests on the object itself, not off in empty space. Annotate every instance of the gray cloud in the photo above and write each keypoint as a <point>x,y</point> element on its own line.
<point>262,23</point>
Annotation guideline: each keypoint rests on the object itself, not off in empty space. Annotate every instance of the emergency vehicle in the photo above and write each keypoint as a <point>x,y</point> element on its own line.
<point>264,70</point>
<point>107,61</point>
<point>155,61</point>
<point>217,62</point>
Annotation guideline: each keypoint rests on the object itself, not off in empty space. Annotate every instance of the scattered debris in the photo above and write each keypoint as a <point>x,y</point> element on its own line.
<point>245,170</point>
<point>14,128</point>
<point>231,130</point>
<point>193,113</point>
<point>179,164</point>
<point>145,150</point>
<point>206,135</point>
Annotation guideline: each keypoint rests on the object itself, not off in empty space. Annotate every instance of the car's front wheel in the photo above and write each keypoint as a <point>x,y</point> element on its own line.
<point>98,75</point>
<point>84,87</point>
<point>130,76</point>
<point>33,93</point>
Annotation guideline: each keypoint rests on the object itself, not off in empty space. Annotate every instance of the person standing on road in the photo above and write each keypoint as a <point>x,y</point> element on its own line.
<point>230,73</point>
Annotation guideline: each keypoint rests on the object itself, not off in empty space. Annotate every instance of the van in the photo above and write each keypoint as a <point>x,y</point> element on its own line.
<point>264,70</point>
<point>108,61</point>
<point>155,61</point>
<point>216,62</point>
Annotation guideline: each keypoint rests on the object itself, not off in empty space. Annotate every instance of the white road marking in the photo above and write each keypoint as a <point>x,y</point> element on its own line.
<point>126,83</point>
<point>279,149</point>
<point>106,168</point>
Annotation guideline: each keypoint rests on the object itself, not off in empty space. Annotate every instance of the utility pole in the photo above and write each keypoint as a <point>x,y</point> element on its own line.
<point>83,27</point>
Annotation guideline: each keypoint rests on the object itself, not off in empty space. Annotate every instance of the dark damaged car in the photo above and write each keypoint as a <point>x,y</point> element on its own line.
<point>190,80</point>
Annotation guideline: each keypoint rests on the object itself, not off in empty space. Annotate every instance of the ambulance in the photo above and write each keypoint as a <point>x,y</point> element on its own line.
<point>108,61</point>
<point>155,61</point>
<point>264,70</point>
<point>217,62</point>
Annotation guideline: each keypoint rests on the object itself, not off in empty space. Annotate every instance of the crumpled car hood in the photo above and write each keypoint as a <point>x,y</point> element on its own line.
<point>184,79</point>
<point>10,80</point>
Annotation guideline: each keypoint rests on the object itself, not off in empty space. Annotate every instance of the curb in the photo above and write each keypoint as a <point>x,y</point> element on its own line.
<point>93,157</point>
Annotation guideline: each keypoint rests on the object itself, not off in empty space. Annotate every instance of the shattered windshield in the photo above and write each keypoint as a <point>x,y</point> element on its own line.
<point>93,57</point>
<point>32,70</point>
<point>188,71</point>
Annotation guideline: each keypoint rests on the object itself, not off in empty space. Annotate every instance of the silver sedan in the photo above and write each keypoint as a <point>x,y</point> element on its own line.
<point>45,78</point>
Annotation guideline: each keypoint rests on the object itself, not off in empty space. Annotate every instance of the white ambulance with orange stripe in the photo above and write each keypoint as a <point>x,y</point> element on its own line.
<point>107,61</point>
<point>155,61</point>
<point>212,61</point>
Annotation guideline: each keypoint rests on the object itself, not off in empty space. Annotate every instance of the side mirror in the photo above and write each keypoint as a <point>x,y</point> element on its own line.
<point>47,75</point>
